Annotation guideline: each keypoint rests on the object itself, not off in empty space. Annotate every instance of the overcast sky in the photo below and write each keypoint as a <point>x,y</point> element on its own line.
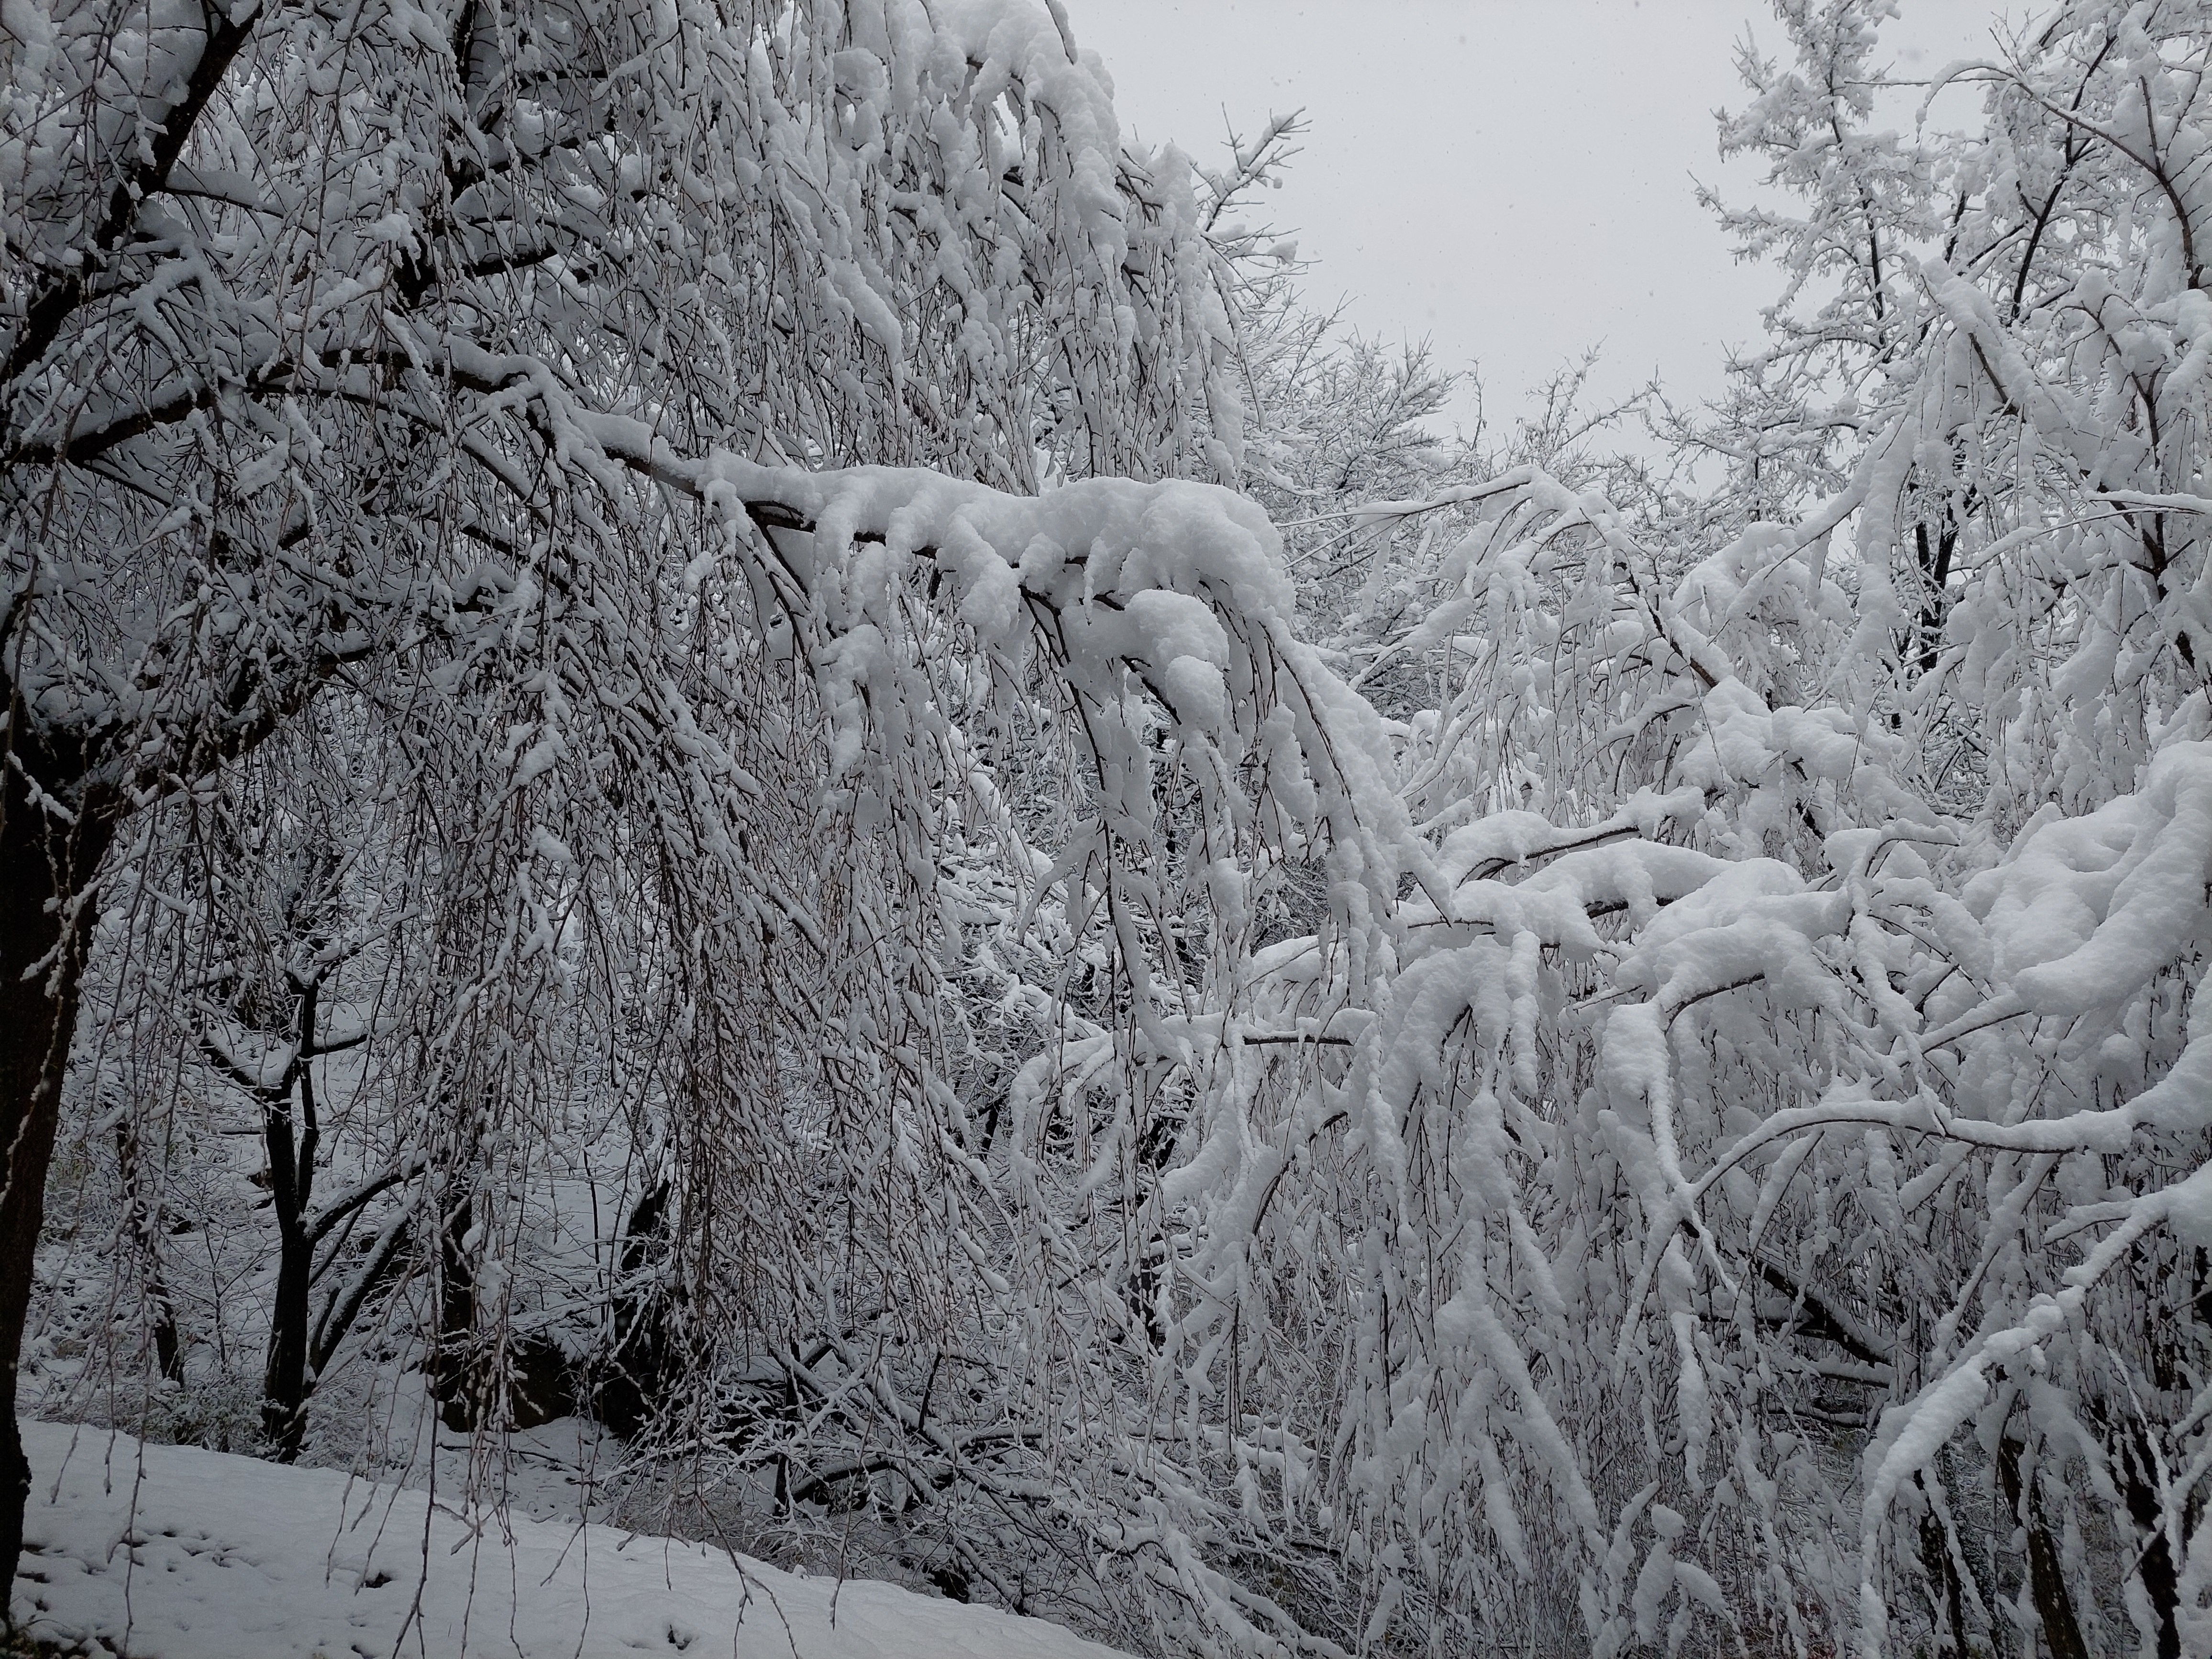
<point>1511,179</point>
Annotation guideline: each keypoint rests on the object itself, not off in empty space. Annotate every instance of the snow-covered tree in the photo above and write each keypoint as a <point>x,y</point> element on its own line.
<point>663,576</point>
<point>462,366</point>
<point>1895,1085</point>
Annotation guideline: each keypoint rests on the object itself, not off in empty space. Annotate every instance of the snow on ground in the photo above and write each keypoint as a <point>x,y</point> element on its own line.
<point>170,1552</point>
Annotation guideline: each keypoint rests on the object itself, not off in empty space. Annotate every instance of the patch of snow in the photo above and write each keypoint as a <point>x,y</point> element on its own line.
<point>171,1553</point>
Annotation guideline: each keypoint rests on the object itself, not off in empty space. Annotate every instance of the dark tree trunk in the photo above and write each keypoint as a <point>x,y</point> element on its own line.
<point>485,1378</point>
<point>1944,1584</point>
<point>453,1381</point>
<point>1935,579</point>
<point>45,862</point>
<point>295,1359</point>
<point>2046,1580</point>
<point>633,1371</point>
<point>291,1180</point>
<point>284,1379</point>
<point>2162,1583</point>
<point>145,1222</point>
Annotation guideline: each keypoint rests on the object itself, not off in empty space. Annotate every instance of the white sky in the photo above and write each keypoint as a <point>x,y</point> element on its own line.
<point>1511,178</point>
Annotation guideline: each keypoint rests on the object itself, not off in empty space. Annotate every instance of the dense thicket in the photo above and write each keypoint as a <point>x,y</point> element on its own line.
<point>627,644</point>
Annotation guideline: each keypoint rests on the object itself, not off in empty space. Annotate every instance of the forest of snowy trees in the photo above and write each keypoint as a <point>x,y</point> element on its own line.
<point>715,721</point>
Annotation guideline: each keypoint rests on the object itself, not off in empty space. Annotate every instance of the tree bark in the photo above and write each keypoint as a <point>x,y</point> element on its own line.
<point>291,1183</point>
<point>284,1384</point>
<point>2046,1579</point>
<point>2154,1567</point>
<point>45,862</point>
<point>284,1378</point>
<point>634,1369</point>
<point>1944,1584</point>
<point>144,1214</point>
<point>454,1382</point>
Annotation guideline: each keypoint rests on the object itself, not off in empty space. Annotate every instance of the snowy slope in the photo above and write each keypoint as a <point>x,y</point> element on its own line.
<point>228,1558</point>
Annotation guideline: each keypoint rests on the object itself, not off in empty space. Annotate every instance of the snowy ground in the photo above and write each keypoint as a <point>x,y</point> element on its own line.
<point>169,1553</point>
